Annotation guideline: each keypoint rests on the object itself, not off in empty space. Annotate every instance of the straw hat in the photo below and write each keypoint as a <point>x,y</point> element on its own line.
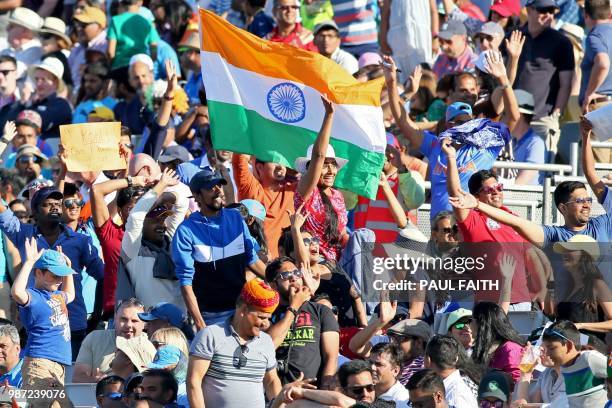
<point>300,162</point>
<point>25,17</point>
<point>49,64</point>
<point>55,26</point>
<point>91,15</point>
<point>579,242</point>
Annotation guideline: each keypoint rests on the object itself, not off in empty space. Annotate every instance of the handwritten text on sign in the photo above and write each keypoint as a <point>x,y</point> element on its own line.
<point>92,146</point>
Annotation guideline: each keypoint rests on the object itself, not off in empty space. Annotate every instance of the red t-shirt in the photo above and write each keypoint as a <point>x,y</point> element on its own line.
<point>110,236</point>
<point>346,334</point>
<point>473,11</point>
<point>488,237</point>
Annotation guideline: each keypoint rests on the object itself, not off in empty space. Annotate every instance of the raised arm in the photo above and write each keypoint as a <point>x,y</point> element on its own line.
<point>10,130</point>
<point>302,254</point>
<point>278,331</point>
<point>165,109</point>
<point>67,281</point>
<point>19,290</point>
<point>503,98</point>
<point>402,119</point>
<point>99,209</point>
<point>397,212</point>
<point>453,184</point>
<point>529,230</point>
<point>588,161</point>
<point>360,343</point>
<point>309,181</point>
<point>514,47</point>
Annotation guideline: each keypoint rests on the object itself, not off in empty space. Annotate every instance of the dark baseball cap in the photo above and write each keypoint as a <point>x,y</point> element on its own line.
<point>175,152</point>
<point>205,180</point>
<point>44,193</point>
<point>453,27</point>
<point>495,384</point>
<point>542,4</point>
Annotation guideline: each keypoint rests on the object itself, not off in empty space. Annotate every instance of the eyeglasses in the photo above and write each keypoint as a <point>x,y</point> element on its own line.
<point>452,230</point>
<point>240,360</point>
<point>547,10</point>
<point>498,187</point>
<point>287,8</point>
<point>311,241</point>
<point>581,201</point>
<point>359,390</point>
<point>5,72</point>
<point>26,159</point>
<point>290,274</point>
<point>495,404</point>
<point>461,326</point>
<point>115,396</point>
<point>73,202</point>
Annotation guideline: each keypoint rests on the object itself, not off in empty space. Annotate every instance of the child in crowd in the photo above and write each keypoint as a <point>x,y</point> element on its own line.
<point>44,314</point>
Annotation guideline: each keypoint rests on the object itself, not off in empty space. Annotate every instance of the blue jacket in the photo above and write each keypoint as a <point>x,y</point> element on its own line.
<point>211,254</point>
<point>78,247</point>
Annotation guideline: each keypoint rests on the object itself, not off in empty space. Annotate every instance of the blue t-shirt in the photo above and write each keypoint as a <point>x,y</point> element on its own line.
<point>530,149</point>
<point>164,52</point>
<point>83,109</point>
<point>599,228</point>
<point>470,159</point>
<point>14,376</point>
<point>45,318</point>
<point>598,40</point>
<point>261,25</point>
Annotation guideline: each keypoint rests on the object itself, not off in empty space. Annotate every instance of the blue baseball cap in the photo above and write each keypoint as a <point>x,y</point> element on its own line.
<point>456,109</point>
<point>44,193</point>
<point>165,311</point>
<point>54,262</point>
<point>255,209</point>
<point>165,356</point>
<point>541,4</point>
<point>206,180</point>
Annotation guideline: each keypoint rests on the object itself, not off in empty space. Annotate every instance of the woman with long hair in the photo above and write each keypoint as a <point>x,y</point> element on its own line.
<point>498,344</point>
<point>586,300</point>
<point>327,212</point>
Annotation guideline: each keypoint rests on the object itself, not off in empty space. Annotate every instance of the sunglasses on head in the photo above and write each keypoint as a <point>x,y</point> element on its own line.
<point>290,274</point>
<point>359,390</point>
<point>311,241</point>
<point>555,333</point>
<point>491,404</point>
<point>73,202</point>
<point>497,187</point>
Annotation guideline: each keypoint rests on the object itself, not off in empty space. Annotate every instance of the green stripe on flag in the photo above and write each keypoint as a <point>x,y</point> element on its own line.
<point>245,131</point>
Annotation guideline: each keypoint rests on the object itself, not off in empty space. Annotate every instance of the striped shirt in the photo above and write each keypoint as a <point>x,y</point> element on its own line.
<point>356,21</point>
<point>585,380</point>
<point>235,375</point>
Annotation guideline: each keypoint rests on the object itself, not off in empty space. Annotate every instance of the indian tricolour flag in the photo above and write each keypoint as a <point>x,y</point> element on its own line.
<point>264,99</point>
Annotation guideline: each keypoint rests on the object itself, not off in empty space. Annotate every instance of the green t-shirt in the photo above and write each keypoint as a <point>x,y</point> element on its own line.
<point>316,12</point>
<point>133,34</point>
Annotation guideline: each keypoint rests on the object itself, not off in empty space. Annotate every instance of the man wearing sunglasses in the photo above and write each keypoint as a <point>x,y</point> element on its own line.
<point>495,391</point>
<point>29,161</point>
<point>545,69</point>
<point>584,372</point>
<point>288,29</point>
<point>427,390</point>
<point>306,334</point>
<point>492,237</point>
<point>109,389</point>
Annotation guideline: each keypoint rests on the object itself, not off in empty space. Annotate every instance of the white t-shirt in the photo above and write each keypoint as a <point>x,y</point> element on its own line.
<point>397,393</point>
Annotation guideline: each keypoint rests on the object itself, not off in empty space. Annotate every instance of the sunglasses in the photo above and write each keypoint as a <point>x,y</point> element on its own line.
<point>115,396</point>
<point>461,326</point>
<point>488,404</point>
<point>73,202</point>
<point>359,390</point>
<point>240,360</point>
<point>581,201</point>
<point>311,241</point>
<point>287,8</point>
<point>498,187</point>
<point>25,159</point>
<point>290,274</point>
<point>449,230</point>
<point>5,72</point>
<point>399,338</point>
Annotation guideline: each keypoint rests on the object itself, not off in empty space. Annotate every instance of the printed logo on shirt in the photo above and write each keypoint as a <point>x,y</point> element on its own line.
<point>441,169</point>
<point>304,332</point>
<point>492,224</point>
<point>59,314</point>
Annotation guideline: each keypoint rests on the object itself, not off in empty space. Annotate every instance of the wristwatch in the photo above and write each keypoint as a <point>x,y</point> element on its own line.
<point>4,140</point>
<point>293,310</point>
<point>129,181</point>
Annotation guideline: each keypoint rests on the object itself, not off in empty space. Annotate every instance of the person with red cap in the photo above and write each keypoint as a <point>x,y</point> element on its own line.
<point>229,362</point>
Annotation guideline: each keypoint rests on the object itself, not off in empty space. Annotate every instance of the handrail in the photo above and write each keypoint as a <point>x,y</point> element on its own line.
<point>606,145</point>
<point>553,168</point>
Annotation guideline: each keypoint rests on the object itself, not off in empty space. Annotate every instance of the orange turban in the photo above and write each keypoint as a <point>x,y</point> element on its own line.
<point>258,294</point>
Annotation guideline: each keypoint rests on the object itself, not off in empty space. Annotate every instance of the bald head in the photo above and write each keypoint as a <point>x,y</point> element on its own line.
<point>144,165</point>
<point>140,76</point>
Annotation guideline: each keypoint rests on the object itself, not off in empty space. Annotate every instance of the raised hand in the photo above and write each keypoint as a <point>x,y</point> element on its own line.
<point>495,64</point>
<point>514,45</point>
<point>297,297</point>
<point>507,266</point>
<point>172,78</point>
<point>387,309</point>
<point>586,127</point>
<point>465,201</point>
<point>10,131</point>
<point>68,261</point>
<point>327,104</point>
<point>169,177</point>
<point>415,80</point>
<point>390,70</point>
<point>447,148</point>
<point>31,250</point>
<point>383,179</point>
<point>298,217</point>
<point>62,155</point>
<point>312,282</point>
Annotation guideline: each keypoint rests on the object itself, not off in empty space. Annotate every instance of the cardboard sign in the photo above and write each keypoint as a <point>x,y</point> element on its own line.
<point>92,146</point>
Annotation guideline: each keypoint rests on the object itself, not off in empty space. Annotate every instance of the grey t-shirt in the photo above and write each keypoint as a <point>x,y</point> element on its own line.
<point>230,381</point>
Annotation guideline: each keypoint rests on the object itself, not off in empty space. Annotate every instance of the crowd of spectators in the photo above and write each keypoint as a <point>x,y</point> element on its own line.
<point>203,277</point>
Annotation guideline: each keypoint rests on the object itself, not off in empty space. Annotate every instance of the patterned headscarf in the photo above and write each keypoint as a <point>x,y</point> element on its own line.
<point>482,133</point>
<point>259,295</point>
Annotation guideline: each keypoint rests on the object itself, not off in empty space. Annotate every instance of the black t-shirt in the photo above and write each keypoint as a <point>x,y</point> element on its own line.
<point>541,61</point>
<point>301,350</point>
<point>339,288</point>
